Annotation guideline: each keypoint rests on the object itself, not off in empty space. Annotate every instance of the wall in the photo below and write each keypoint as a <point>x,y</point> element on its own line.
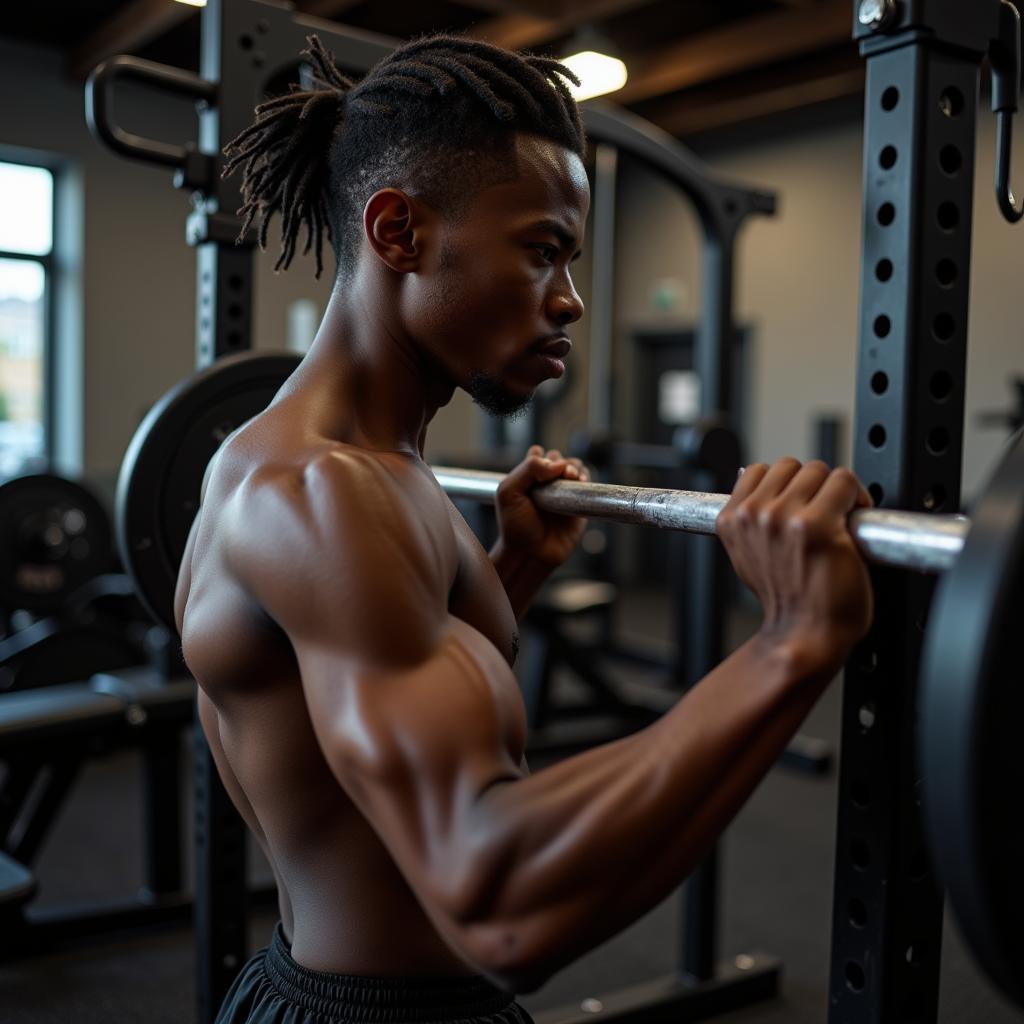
<point>132,267</point>
<point>798,282</point>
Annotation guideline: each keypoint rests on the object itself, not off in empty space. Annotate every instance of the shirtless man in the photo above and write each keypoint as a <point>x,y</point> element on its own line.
<point>352,641</point>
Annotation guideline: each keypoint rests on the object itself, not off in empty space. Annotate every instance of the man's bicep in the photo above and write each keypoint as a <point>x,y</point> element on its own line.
<point>452,716</point>
<point>414,748</point>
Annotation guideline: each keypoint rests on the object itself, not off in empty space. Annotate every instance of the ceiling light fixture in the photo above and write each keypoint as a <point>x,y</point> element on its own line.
<point>193,3</point>
<point>592,58</point>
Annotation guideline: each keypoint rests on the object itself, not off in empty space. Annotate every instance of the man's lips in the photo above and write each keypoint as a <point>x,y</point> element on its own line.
<point>549,355</point>
<point>557,348</point>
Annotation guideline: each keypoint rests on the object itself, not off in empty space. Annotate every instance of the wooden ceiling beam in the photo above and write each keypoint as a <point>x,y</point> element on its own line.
<point>803,27</point>
<point>595,10</point>
<point>135,24</point>
<point>689,118</point>
<point>736,47</point>
<point>326,8</point>
<point>535,7</point>
<point>512,31</point>
<point>517,31</point>
<point>336,8</point>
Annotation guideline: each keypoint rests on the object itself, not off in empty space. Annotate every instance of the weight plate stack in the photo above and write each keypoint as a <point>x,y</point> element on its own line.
<point>161,477</point>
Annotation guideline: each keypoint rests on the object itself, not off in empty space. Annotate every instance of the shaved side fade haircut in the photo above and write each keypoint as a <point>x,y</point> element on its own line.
<point>437,118</point>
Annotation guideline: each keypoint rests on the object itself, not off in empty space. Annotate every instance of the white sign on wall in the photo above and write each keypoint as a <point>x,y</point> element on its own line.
<point>678,396</point>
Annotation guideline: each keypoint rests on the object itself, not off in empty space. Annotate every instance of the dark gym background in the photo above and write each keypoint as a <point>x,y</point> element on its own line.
<point>766,90</point>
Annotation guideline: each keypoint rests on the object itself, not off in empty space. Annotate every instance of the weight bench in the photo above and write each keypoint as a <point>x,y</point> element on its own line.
<point>560,728</point>
<point>46,737</point>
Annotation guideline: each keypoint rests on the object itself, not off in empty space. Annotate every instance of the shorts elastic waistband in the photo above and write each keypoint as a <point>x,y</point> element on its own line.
<point>380,1000</point>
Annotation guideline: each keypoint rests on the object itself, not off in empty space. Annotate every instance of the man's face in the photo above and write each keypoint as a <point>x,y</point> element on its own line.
<point>500,302</point>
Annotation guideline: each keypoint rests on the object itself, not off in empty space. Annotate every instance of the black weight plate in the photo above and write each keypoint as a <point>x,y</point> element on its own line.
<point>971,717</point>
<point>162,472</point>
<point>54,536</point>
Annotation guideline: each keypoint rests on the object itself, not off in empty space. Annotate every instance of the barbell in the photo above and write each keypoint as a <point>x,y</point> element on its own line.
<point>970,700</point>
<point>908,540</point>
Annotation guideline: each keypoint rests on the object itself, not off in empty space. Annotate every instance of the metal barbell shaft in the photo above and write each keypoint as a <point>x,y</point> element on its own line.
<point>908,540</point>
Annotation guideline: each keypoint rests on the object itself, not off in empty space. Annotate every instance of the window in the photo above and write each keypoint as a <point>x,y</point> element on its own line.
<point>26,248</point>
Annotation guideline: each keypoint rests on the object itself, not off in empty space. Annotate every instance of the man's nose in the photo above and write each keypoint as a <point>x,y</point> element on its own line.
<point>567,307</point>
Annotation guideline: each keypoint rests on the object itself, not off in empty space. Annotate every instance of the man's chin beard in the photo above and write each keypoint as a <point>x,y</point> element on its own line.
<point>487,391</point>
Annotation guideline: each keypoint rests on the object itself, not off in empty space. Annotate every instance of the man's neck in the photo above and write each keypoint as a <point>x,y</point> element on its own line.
<point>365,382</point>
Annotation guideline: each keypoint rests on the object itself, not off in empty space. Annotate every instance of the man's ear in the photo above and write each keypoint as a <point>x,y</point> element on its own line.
<point>397,228</point>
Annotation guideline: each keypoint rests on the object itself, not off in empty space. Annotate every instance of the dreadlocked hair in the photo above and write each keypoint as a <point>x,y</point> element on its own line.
<point>436,117</point>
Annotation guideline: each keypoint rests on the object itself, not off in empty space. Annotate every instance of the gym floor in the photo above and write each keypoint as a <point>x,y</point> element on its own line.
<point>776,897</point>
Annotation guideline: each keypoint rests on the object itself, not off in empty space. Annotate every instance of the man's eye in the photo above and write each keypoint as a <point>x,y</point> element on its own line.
<point>549,252</point>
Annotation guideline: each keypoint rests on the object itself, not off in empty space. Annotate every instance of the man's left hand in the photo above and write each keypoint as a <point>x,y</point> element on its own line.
<point>547,537</point>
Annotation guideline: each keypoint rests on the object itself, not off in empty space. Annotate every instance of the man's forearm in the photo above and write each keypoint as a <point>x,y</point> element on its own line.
<point>590,844</point>
<point>740,777</point>
<point>521,575</point>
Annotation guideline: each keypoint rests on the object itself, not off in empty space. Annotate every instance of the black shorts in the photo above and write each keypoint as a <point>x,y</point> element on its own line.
<point>273,989</point>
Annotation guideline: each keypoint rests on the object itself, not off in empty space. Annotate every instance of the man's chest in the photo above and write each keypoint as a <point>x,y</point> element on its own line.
<point>478,597</point>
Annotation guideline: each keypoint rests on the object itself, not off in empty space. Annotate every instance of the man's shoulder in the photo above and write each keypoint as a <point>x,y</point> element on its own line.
<point>344,477</point>
<point>334,487</point>
<point>340,516</point>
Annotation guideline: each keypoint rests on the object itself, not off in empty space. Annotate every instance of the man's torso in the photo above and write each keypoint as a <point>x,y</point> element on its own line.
<point>344,903</point>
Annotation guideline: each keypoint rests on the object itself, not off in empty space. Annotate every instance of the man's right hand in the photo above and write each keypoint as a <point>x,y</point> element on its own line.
<point>785,528</point>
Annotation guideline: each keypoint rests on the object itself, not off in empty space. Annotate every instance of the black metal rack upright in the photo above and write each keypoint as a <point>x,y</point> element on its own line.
<point>244,43</point>
<point>923,60</point>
